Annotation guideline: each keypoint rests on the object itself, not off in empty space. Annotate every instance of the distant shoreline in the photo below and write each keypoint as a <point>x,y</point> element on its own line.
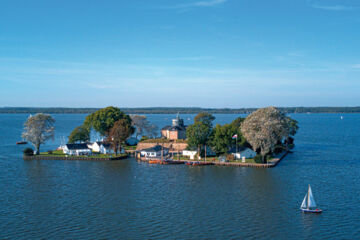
<point>174,110</point>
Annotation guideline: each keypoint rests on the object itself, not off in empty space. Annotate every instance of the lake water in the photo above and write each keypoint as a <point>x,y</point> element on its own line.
<point>131,200</point>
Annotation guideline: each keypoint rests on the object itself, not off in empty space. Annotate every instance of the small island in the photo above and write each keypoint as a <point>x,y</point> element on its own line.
<point>110,123</point>
<point>261,139</point>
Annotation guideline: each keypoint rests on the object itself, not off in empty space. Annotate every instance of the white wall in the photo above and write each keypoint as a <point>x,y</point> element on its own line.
<point>190,154</point>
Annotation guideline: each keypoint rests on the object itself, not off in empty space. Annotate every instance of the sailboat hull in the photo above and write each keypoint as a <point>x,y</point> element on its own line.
<point>311,210</point>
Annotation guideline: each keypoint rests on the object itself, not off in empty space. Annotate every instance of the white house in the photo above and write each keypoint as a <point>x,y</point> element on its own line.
<point>189,153</point>
<point>101,147</point>
<point>242,152</point>
<point>76,149</point>
<point>154,152</point>
<point>192,152</point>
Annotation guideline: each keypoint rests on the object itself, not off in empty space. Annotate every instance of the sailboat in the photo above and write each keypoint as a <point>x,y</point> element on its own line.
<point>308,204</point>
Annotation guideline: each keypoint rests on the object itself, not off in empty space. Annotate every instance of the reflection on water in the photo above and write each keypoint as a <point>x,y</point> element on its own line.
<point>132,200</point>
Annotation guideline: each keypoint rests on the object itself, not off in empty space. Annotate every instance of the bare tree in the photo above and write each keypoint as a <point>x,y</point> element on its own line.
<point>143,126</point>
<point>38,129</point>
<point>152,130</point>
<point>140,123</point>
<point>118,134</point>
<point>264,128</point>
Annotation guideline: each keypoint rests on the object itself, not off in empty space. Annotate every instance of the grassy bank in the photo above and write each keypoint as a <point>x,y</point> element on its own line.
<point>59,153</point>
<point>213,159</point>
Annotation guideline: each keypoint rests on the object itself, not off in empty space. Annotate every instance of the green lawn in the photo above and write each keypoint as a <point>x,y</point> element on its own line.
<point>130,147</point>
<point>213,159</point>
<point>54,153</point>
<point>103,155</point>
<point>247,160</point>
<point>59,153</point>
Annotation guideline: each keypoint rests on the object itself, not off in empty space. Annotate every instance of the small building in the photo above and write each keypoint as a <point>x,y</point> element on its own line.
<point>76,149</point>
<point>154,152</point>
<point>191,153</point>
<point>101,147</point>
<point>242,152</point>
<point>175,131</point>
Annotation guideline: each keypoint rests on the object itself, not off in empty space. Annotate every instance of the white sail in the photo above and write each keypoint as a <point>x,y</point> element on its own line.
<point>303,205</point>
<point>311,200</point>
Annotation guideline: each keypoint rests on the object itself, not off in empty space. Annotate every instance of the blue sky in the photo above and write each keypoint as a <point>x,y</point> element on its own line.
<point>204,53</point>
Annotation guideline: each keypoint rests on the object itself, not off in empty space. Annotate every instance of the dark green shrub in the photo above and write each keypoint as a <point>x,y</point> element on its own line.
<point>258,158</point>
<point>50,152</point>
<point>28,152</point>
<point>278,149</point>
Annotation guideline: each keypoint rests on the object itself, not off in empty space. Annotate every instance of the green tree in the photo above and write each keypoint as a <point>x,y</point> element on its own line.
<point>103,120</point>
<point>198,135</point>
<point>204,126</point>
<point>292,127</point>
<point>80,134</point>
<point>223,136</point>
<point>264,128</point>
<point>205,118</point>
<point>222,139</point>
<point>237,122</point>
<point>118,134</point>
<point>38,129</point>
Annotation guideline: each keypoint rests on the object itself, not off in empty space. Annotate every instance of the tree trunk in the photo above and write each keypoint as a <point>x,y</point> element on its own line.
<point>205,152</point>
<point>115,149</point>
<point>199,152</point>
<point>264,158</point>
<point>37,148</point>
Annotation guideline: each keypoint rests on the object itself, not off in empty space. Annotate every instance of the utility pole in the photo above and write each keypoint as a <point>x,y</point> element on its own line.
<point>162,151</point>
<point>205,153</point>
<point>236,148</point>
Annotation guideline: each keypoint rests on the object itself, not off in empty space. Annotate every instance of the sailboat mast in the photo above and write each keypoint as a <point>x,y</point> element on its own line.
<point>308,201</point>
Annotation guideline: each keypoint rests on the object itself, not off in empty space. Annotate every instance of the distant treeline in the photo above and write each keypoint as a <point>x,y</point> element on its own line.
<point>182,110</point>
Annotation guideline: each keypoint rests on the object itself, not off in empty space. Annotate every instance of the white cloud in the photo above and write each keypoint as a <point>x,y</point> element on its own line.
<point>332,7</point>
<point>208,3</point>
<point>189,58</point>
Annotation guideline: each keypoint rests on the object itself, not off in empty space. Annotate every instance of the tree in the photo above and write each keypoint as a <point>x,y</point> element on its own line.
<point>118,134</point>
<point>28,152</point>
<point>223,139</point>
<point>38,129</point>
<point>143,126</point>
<point>103,120</point>
<point>80,134</point>
<point>204,117</point>
<point>198,134</point>
<point>204,120</point>
<point>152,130</point>
<point>292,127</point>
<point>139,122</point>
<point>237,122</point>
<point>264,128</point>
